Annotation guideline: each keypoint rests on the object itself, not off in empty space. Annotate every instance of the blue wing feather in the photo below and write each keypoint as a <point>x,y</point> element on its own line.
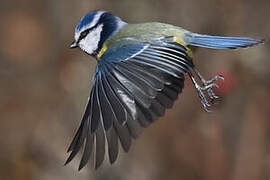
<point>134,83</point>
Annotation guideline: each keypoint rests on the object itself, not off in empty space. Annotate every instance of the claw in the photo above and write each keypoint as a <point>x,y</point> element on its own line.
<point>221,77</point>
<point>205,107</point>
<point>205,102</point>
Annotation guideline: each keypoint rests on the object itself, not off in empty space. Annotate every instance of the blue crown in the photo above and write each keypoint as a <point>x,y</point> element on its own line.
<point>86,19</point>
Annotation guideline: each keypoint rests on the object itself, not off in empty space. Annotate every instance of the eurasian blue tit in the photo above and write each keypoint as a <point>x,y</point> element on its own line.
<point>139,74</point>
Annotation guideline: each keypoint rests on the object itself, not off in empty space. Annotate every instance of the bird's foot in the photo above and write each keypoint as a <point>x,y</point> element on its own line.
<point>207,85</point>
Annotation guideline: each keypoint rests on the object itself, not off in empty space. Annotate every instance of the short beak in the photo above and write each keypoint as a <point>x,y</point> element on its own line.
<point>73,44</point>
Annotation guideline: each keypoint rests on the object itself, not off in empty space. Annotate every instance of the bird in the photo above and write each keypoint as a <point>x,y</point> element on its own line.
<point>140,73</point>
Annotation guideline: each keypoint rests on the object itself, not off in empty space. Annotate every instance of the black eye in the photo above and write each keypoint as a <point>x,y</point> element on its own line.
<point>84,34</point>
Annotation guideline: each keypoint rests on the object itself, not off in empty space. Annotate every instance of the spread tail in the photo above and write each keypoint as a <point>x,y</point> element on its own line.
<point>221,42</point>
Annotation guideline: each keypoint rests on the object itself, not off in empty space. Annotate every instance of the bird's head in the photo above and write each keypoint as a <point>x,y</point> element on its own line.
<point>94,29</point>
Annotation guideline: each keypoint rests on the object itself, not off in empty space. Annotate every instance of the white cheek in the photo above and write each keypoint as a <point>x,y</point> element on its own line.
<point>90,42</point>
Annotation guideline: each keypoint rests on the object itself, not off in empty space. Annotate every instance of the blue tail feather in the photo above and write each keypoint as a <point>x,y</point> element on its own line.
<point>221,42</point>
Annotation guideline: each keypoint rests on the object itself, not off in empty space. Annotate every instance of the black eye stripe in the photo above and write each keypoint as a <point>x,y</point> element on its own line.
<point>85,32</point>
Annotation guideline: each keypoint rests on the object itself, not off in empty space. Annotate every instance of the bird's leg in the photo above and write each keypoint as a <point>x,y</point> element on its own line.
<point>208,84</point>
<point>200,89</point>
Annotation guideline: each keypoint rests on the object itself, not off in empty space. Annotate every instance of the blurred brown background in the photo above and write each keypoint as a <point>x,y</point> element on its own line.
<point>45,85</point>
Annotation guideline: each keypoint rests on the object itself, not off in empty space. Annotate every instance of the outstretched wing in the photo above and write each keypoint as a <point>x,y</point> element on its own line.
<point>133,85</point>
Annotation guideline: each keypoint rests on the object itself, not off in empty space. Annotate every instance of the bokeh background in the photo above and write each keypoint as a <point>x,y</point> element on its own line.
<point>44,87</point>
